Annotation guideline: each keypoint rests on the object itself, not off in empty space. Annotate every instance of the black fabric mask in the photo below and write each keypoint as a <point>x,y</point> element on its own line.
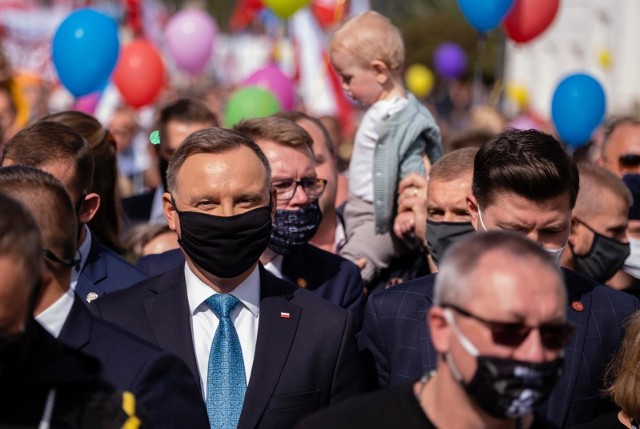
<point>293,229</point>
<point>441,235</point>
<point>225,246</point>
<point>509,388</point>
<point>604,258</point>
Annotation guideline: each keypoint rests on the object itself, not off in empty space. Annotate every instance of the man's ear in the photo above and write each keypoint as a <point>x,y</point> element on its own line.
<point>472,207</point>
<point>89,207</point>
<point>439,329</point>
<point>169,211</point>
<point>381,71</point>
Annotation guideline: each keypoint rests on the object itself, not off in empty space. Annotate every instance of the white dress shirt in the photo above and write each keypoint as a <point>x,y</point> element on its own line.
<point>204,322</point>
<point>274,266</point>
<point>52,319</point>
<point>84,249</point>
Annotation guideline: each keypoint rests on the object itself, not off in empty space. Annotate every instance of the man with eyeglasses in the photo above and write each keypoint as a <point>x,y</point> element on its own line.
<point>498,325</point>
<point>265,352</point>
<point>527,182</point>
<point>297,218</point>
<point>620,151</point>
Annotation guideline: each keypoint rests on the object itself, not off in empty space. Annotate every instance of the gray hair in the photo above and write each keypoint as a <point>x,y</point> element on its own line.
<point>461,260</point>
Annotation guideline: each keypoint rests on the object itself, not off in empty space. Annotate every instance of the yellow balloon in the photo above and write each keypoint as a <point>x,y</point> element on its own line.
<point>286,8</point>
<point>605,58</point>
<point>518,95</point>
<point>419,80</point>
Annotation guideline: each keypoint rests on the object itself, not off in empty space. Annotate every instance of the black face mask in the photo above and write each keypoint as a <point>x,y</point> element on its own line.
<point>506,388</point>
<point>293,229</point>
<point>605,257</point>
<point>441,235</point>
<point>225,246</point>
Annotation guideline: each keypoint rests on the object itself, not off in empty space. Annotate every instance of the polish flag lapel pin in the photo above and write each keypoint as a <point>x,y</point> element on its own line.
<point>284,315</point>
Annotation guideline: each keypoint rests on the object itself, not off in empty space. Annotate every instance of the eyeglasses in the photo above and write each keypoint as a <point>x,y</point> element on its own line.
<point>554,336</point>
<point>629,160</point>
<point>286,189</point>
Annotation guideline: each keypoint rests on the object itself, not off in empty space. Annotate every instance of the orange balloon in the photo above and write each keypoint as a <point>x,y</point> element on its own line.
<point>140,73</point>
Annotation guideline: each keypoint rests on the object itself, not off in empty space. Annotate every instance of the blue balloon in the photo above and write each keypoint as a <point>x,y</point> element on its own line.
<point>485,15</point>
<point>85,50</point>
<point>577,108</point>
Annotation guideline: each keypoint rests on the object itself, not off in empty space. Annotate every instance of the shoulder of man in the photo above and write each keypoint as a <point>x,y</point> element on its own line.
<point>403,299</point>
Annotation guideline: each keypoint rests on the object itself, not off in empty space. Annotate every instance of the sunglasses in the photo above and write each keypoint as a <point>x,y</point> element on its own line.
<point>629,160</point>
<point>554,336</point>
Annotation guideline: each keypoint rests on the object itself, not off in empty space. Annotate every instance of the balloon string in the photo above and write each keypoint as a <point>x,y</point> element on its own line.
<point>481,48</point>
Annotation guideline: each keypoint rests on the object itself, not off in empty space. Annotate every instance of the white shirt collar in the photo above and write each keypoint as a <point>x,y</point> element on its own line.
<point>274,266</point>
<point>248,292</point>
<point>52,319</point>
<point>84,249</point>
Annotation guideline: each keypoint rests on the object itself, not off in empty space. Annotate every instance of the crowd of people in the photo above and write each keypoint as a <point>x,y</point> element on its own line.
<point>246,282</point>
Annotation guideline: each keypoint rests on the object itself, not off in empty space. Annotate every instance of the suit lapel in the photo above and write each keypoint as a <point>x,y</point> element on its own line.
<point>93,272</point>
<point>169,318</point>
<point>76,331</point>
<point>277,328</point>
<point>579,309</point>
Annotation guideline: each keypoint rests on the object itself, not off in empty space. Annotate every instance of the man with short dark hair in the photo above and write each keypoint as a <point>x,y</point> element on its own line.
<point>527,182</point>
<point>176,121</point>
<point>42,382</point>
<point>60,151</point>
<point>498,324</point>
<point>264,352</point>
<point>162,384</point>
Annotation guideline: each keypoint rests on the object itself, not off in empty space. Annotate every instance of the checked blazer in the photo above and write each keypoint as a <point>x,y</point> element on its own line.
<point>396,338</point>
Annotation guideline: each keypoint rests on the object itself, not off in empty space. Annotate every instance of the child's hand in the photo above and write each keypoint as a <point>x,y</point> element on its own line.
<point>404,225</point>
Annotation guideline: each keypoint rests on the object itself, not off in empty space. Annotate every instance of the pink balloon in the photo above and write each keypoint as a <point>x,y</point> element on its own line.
<point>190,35</point>
<point>273,79</point>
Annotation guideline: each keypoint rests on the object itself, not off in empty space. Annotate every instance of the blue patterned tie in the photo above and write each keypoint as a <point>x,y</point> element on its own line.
<point>226,380</point>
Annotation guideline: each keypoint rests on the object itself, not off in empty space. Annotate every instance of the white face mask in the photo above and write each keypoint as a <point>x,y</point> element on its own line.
<point>556,254</point>
<point>632,263</point>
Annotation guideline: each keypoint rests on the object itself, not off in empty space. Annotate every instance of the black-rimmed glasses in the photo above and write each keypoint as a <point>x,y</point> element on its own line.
<point>286,189</point>
<point>554,336</point>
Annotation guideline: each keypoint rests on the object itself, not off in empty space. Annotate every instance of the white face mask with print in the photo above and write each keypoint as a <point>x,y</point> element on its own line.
<point>556,254</point>
<point>632,263</point>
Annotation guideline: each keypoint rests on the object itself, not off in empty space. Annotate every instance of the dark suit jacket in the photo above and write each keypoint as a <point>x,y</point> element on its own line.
<point>37,363</point>
<point>137,208</point>
<point>395,334</point>
<point>105,272</point>
<point>331,276</point>
<point>302,362</point>
<point>163,385</point>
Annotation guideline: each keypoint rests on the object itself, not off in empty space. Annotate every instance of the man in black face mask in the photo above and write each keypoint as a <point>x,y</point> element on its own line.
<point>598,244</point>
<point>527,182</point>
<point>498,324</point>
<point>264,352</point>
<point>176,121</point>
<point>448,218</point>
<point>288,147</point>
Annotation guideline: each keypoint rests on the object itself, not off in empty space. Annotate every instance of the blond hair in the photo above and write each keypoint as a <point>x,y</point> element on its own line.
<point>624,371</point>
<point>369,37</point>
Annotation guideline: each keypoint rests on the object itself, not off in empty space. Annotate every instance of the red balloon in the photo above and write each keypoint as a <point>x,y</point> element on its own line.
<point>140,74</point>
<point>529,18</point>
<point>329,12</point>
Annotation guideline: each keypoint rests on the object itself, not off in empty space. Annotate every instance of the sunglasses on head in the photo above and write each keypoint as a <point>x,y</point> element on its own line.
<point>629,160</point>
<point>554,336</point>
